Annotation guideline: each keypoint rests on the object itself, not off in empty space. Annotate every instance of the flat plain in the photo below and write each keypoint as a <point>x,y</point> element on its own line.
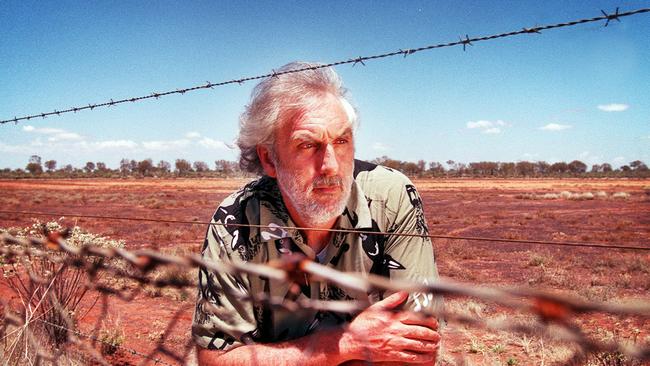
<point>601,211</point>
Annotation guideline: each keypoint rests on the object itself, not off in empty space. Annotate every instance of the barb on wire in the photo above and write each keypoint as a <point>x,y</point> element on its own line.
<point>609,17</point>
<point>464,42</point>
<point>644,247</point>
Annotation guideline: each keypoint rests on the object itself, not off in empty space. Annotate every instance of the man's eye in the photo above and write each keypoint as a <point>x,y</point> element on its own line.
<point>306,145</point>
<point>341,141</point>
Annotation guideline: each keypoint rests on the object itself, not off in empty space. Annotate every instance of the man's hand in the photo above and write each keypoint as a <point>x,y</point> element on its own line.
<point>382,334</point>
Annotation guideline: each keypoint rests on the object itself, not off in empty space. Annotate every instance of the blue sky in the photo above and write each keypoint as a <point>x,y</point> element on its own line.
<point>574,93</point>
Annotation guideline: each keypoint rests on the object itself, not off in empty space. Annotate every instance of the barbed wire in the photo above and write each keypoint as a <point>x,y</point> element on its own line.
<point>553,312</point>
<point>354,61</point>
<point>645,247</point>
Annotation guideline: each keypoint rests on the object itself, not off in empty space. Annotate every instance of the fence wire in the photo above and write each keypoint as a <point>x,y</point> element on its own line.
<point>627,246</point>
<point>553,314</point>
<point>463,41</point>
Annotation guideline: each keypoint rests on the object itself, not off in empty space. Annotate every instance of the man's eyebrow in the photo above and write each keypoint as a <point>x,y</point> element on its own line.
<point>346,131</point>
<point>305,135</point>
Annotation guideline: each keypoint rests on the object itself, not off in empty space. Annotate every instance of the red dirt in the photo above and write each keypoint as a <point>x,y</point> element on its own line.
<point>481,207</point>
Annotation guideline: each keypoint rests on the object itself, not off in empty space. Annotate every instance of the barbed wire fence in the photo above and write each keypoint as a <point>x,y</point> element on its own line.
<point>552,313</point>
<point>627,246</point>
<point>463,41</point>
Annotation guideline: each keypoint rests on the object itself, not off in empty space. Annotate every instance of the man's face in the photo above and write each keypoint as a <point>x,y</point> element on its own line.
<point>314,160</point>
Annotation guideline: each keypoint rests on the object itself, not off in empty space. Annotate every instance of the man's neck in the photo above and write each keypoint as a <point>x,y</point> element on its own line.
<point>317,239</point>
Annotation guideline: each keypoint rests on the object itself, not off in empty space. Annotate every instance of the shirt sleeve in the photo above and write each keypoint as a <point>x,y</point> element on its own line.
<point>410,257</point>
<point>222,320</point>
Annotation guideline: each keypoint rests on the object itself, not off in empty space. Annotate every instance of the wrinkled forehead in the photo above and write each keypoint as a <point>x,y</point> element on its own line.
<point>328,112</point>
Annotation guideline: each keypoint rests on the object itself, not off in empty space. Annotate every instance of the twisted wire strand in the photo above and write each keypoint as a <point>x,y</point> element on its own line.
<point>644,247</point>
<point>354,61</point>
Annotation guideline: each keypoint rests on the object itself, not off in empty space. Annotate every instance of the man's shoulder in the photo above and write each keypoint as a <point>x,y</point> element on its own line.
<point>378,180</point>
<point>260,189</point>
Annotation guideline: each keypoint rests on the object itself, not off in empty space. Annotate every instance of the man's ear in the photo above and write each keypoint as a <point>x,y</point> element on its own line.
<point>264,154</point>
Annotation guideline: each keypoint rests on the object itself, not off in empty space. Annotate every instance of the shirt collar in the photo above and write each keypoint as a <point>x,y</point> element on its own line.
<point>274,215</point>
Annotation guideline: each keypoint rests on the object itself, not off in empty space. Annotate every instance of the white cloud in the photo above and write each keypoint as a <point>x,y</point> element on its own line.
<point>192,135</point>
<point>209,143</point>
<point>113,144</point>
<point>554,127</point>
<point>56,134</point>
<point>380,146</point>
<point>613,107</point>
<point>43,130</point>
<point>479,124</point>
<point>492,130</point>
<point>487,127</point>
<point>165,145</point>
<point>589,159</point>
<point>14,149</point>
<point>619,160</point>
<point>65,136</point>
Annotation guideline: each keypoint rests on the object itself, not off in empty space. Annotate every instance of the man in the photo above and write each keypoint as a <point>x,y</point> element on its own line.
<point>298,133</point>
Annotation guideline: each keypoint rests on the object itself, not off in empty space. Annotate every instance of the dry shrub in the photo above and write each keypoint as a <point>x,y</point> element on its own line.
<point>621,195</point>
<point>111,337</point>
<point>172,280</point>
<point>53,294</point>
<point>601,194</point>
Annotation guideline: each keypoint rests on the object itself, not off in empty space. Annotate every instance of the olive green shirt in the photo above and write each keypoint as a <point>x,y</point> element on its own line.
<point>381,200</point>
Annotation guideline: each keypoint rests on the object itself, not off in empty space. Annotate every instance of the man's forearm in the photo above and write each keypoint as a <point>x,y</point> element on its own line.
<point>321,348</point>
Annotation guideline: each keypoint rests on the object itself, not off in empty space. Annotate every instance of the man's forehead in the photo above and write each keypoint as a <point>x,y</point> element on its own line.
<point>331,117</point>
<point>309,131</point>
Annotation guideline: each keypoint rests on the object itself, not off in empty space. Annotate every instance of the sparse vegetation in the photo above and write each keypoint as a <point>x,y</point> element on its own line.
<point>55,300</point>
<point>111,337</point>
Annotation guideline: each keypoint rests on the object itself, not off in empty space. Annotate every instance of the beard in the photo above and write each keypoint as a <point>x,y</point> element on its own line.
<point>315,208</point>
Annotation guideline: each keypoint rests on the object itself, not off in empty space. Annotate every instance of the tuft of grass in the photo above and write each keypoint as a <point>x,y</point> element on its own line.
<point>621,195</point>
<point>537,260</point>
<point>111,338</point>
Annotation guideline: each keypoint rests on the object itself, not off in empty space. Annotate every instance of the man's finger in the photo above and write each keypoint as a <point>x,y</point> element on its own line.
<point>391,302</point>
<point>421,320</point>
<point>421,333</point>
<point>420,346</point>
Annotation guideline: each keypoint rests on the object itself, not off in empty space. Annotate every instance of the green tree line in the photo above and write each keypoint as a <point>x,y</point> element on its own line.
<point>36,167</point>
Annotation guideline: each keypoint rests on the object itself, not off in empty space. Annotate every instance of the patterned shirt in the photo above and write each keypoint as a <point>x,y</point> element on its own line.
<point>381,200</point>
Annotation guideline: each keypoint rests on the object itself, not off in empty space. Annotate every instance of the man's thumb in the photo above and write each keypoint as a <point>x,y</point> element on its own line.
<point>393,301</point>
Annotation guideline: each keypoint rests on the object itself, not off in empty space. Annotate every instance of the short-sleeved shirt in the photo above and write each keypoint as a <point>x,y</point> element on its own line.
<point>381,200</point>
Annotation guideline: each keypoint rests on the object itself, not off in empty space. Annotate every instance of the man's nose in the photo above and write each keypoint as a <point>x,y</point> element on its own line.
<point>329,164</point>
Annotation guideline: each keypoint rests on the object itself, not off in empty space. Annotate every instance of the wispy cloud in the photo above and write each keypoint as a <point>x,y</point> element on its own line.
<point>613,107</point>
<point>379,146</point>
<point>192,135</point>
<point>555,127</point>
<point>165,144</point>
<point>619,160</point>
<point>112,144</point>
<point>55,134</point>
<point>487,127</point>
<point>209,143</point>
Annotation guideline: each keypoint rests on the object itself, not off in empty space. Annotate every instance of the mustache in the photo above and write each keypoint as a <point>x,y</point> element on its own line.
<point>334,181</point>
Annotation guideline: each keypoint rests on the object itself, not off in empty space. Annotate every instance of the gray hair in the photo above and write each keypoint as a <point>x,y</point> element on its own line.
<point>275,99</point>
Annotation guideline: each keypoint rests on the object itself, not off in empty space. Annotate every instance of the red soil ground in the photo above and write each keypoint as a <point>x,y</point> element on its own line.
<point>480,207</point>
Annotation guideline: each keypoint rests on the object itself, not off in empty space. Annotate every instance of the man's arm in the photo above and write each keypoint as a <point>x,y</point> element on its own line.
<point>378,334</point>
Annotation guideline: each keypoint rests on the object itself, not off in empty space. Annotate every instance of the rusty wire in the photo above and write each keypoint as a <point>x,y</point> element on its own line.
<point>466,41</point>
<point>645,247</point>
<point>553,312</point>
